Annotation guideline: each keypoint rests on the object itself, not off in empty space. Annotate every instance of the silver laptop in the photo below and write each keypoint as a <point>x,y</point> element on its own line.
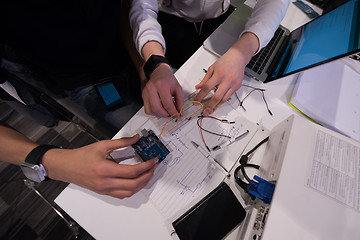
<point>333,35</point>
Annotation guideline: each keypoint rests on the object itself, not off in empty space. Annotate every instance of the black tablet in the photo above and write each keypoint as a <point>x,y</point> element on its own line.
<point>213,217</point>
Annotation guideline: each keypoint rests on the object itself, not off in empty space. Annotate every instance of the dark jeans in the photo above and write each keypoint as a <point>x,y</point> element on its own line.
<point>86,96</point>
<point>183,39</point>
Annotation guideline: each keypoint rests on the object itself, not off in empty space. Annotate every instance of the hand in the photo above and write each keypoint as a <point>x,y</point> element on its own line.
<point>88,167</point>
<point>159,91</point>
<point>227,72</point>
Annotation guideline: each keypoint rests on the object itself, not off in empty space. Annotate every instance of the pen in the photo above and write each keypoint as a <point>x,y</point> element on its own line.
<point>230,141</point>
<point>210,158</point>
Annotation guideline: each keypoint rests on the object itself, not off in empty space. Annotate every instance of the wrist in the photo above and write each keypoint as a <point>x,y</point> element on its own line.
<point>32,167</point>
<point>152,48</point>
<point>247,45</point>
<point>152,63</point>
<point>54,161</point>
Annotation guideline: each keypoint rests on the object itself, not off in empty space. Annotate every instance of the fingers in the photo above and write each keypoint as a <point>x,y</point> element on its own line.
<point>179,99</point>
<point>132,186</point>
<point>168,102</point>
<point>223,92</point>
<point>112,145</point>
<point>162,94</point>
<point>164,104</point>
<point>207,76</point>
<point>147,106</point>
<point>115,170</point>
<point>126,180</point>
<point>152,101</point>
<point>204,87</point>
<point>213,103</point>
<point>130,171</point>
<point>226,76</point>
<point>106,147</point>
<point>221,95</point>
<point>88,167</point>
<point>211,80</point>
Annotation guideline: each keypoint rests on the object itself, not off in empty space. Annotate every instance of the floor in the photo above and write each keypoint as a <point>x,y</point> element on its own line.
<point>23,214</point>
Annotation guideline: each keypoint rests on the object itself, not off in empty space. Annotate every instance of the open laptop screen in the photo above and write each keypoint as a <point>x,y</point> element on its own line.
<point>326,38</point>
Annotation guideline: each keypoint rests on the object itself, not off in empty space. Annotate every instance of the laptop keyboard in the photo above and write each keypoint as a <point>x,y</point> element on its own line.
<point>258,62</point>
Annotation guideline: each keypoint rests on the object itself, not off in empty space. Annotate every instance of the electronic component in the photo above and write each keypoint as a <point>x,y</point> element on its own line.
<point>189,110</point>
<point>261,189</point>
<point>256,219</point>
<point>149,146</point>
<point>256,187</point>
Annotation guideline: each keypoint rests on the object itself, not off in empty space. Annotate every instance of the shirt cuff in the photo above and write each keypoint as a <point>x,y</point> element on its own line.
<point>263,36</point>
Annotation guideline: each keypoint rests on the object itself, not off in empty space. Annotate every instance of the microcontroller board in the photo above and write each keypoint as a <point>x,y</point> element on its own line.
<point>149,146</point>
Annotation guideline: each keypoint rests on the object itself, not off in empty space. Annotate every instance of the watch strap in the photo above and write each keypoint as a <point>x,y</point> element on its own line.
<point>152,63</point>
<point>35,155</point>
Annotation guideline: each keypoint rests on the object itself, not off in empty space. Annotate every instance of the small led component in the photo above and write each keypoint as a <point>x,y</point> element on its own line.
<point>256,225</point>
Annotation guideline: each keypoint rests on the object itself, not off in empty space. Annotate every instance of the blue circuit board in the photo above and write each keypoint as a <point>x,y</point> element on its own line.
<point>149,146</point>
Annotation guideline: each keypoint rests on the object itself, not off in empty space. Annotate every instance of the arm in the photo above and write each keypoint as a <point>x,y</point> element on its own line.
<point>144,24</point>
<point>228,71</point>
<point>162,94</point>
<point>265,19</point>
<point>86,166</point>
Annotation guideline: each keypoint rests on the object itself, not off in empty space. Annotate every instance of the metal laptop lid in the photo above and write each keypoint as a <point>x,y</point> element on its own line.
<point>326,38</point>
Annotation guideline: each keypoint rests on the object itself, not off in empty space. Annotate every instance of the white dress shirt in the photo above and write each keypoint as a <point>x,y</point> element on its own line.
<point>264,21</point>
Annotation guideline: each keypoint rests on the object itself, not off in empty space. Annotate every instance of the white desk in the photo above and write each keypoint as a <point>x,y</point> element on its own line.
<point>135,218</point>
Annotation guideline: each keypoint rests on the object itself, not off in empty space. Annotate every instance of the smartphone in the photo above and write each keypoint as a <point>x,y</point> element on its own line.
<point>213,217</point>
<point>109,94</point>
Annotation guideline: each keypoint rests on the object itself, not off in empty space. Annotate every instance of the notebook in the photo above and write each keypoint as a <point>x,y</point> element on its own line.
<point>331,36</point>
<point>333,106</point>
<point>317,192</point>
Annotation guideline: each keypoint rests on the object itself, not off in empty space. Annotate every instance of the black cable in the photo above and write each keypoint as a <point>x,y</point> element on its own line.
<point>257,146</point>
<point>267,106</point>
<point>237,97</point>
<point>217,134</point>
<point>242,168</point>
<point>241,102</point>
<point>244,173</point>
<point>255,88</point>
<point>240,182</point>
<point>243,163</point>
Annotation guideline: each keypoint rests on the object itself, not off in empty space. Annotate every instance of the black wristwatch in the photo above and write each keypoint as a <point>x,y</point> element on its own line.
<point>152,63</point>
<point>31,167</point>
